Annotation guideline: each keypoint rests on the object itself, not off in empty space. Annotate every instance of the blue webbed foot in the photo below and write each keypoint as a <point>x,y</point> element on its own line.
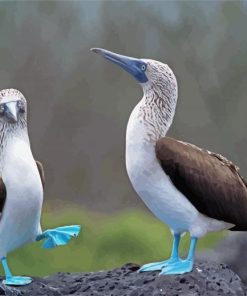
<point>17,281</point>
<point>161,265</point>
<point>155,266</point>
<point>58,236</point>
<point>178,268</point>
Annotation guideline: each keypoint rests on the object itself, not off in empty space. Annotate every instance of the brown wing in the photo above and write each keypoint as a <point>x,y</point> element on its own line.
<point>208,180</point>
<point>41,172</point>
<point>2,195</point>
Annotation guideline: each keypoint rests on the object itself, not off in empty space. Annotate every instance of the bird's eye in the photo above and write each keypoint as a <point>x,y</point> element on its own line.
<point>21,106</point>
<point>143,67</point>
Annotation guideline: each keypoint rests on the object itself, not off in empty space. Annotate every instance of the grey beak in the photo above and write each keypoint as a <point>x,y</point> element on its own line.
<point>11,112</point>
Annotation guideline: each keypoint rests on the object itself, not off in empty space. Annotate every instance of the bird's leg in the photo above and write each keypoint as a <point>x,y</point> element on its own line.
<point>14,280</point>
<point>173,259</point>
<point>184,265</point>
<point>58,236</point>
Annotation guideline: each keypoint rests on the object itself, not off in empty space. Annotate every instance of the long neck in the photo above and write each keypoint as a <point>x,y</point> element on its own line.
<point>153,115</point>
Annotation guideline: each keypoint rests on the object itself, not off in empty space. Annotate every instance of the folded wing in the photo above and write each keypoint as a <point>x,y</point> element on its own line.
<point>208,180</point>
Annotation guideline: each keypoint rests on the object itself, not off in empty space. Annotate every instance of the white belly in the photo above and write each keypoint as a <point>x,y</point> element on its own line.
<point>161,196</point>
<point>21,216</point>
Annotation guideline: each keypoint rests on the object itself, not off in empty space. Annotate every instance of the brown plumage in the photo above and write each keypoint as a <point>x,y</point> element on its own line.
<point>41,172</point>
<point>208,180</point>
<point>3,191</point>
<point>2,195</point>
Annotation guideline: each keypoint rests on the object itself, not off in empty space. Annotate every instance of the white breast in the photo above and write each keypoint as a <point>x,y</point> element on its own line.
<point>155,187</point>
<point>21,216</point>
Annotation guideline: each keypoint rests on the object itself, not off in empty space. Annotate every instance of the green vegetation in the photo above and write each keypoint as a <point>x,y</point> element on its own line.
<point>105,242</point>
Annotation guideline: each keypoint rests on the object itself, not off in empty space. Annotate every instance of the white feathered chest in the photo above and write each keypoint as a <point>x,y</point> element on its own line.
<point>146,175</point>
<point>21,215</point>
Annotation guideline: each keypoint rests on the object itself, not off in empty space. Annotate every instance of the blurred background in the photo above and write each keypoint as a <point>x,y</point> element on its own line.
<point>79,106</point>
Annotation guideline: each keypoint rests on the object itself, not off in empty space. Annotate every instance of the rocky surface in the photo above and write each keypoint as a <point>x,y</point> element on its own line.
<point>206,279</point>
<point>231,251</point>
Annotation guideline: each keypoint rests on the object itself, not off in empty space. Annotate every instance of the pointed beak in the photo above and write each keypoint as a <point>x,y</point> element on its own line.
<point>132,65</point>
<point>11,112</point>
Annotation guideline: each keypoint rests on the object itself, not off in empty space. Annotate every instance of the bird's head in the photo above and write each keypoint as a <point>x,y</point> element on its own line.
<point>13,106</point>
<point>151,74</point>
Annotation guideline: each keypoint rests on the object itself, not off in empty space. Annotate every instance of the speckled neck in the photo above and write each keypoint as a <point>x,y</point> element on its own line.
<point>8,134</point>
<point>153,115</point>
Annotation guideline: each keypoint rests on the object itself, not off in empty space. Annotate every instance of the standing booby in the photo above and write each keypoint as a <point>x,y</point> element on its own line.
<point>190,189</point>
<point>21,190</point>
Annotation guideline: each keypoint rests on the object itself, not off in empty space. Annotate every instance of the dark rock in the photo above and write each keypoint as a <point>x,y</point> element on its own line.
<point>206,279</point>
<point>231,251</point>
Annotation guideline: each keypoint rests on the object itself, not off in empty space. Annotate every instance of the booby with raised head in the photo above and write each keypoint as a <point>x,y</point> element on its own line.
<point>190,189</point>
<point>21,187</point>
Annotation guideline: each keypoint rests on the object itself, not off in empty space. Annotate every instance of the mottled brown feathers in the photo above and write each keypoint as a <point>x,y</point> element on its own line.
<point>208,180</point>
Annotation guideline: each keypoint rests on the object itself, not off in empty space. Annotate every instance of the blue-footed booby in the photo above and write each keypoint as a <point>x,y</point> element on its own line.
<point>21,187</point>
<point>190,189</point>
